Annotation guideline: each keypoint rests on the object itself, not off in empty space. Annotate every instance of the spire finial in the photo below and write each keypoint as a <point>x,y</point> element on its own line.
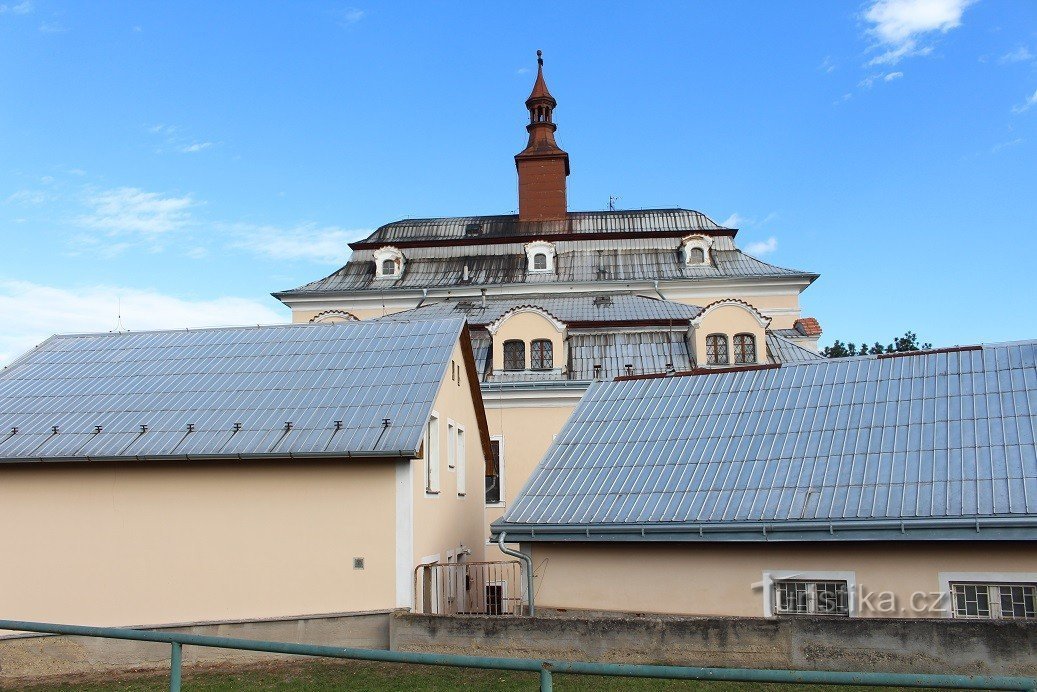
<point>540,58</point>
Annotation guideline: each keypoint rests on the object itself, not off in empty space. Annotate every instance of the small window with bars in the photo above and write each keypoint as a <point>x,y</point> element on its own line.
<point>514,355</point>
<point>541,354</point>
<point>716,349</point>
<point>808,597</point>
<point>745,349</point>
<point>994,601</point>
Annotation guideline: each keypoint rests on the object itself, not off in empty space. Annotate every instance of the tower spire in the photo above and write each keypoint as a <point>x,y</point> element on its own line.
<point>542,165</point>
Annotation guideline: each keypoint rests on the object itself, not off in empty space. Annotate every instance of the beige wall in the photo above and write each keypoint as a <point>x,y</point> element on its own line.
<point>449,521</point>
<point>526,326</point>
<point>143,543</point>
<point>718,578</point>
<point>300,315</point>
<point>729,320</point>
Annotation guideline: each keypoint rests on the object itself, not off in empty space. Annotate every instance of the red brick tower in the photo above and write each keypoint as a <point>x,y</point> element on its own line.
<point>542,165</point>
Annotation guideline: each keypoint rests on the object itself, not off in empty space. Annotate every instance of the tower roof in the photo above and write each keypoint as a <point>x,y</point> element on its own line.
<point>540,92</point>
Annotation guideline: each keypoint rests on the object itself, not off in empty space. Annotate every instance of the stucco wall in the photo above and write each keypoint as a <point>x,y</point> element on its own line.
<point>725,578</point>
<point>526,326</point>
<point>145,543</point>
<point>730,319</point>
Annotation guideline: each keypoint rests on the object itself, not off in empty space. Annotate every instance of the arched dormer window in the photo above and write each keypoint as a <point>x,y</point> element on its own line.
<point>388,263</point>
<point>696,249</point>
<point>541,355</point>
<point>514,354</point>
<point>333,316</point>
<point>716,349</point>
<point>745,349</point>
<point>540,257</point>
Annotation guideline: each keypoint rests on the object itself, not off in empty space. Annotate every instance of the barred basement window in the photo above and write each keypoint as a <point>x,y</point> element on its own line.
<point>745,349</point>
<point>541,354</point>
<point>716,349</point>
<point>514,355</point>
<point>800,597</point>
<point>994,601</point>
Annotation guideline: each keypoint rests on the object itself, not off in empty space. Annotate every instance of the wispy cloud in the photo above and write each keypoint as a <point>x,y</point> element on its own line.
<point>28,197</point>
<point>827,65</point>
<point>349,16</point>
<point>892,75</point>
<point>33,311</point>
<point>52,28</point>
<point>1020,54</point>
<point>1005,145</point>
<point>196,147</point>
<point>309,242</point>
<point>901,28</point>
<point>19,8</point>
<point>1027,104</point>
<point>762,247</point>
<point>869,81</point>
<point>130,210</point>
<point>522,70</point>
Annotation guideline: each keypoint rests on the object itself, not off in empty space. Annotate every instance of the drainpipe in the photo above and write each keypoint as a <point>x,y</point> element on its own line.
<point>424,295</point>
<point>529,568</point>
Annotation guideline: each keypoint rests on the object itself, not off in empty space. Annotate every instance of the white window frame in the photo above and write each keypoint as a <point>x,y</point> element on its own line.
<point>701,242</point>
<point>388,253</point>
<point>776,575</point>
<point>540,247</point>
<point>451,426</point>
<point>500,470</point>
<point>946,579</point>
<point>433,482</point>
<point>462,480</point>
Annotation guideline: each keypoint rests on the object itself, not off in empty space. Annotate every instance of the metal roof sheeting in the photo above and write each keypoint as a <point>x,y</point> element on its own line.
<point>261,377</point>
<point>647,352</point>
<point>781,350</point>
<point>873,441</point>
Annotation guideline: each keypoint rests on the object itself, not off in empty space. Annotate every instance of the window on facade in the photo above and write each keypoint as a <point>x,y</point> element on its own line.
<point>994,601</point>
<point>450,444</point>
<point>801,597</point>
<point>462,482</point>
<point>388,267</point>
<point>745,348</point>
<point>514,355</point>
<point>716,349</point>
<point>539,261</point>
<point>494,474</point>
<point>541,354</point>
<point>696,255</point>
<point>432,456</point>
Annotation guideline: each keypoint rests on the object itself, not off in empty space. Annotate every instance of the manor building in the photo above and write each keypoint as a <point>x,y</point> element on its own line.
<point>556,299</point>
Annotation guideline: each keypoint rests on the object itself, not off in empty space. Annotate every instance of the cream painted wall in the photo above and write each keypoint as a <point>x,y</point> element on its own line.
<point>526,326</point>
<point>448,521</point>
<point>140,543</point>
<point>718,578</point>
<point>527,432</point>
<point>730,320</point>
<point>299,315</point>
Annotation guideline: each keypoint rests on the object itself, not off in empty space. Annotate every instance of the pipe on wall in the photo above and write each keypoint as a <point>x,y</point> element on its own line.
<point>529,568</point>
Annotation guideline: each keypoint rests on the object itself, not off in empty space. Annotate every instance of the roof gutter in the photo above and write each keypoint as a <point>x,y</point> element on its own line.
<point>966,528</point>
<point>253,456</point>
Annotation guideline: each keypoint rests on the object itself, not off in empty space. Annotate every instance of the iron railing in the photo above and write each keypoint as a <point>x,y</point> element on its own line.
<point>545,669</point>
<point>469,588</point>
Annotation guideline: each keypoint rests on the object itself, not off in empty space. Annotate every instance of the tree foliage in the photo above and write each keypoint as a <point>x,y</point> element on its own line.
<point>901,344</point>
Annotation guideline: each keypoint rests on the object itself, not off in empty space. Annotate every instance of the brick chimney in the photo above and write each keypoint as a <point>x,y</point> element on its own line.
<point>542,165</point>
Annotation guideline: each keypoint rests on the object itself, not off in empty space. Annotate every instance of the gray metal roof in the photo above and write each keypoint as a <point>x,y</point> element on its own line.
<point>781,350</point>
<point>574,308</point>
<point>261,377</point>
<point>575,265</point>
<point>646,352</point>
<point>938,444</point>
<point>576,222</point>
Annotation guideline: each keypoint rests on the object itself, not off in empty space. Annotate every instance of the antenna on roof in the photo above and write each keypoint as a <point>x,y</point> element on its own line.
<point>118,316</point>
<point>612,202</point>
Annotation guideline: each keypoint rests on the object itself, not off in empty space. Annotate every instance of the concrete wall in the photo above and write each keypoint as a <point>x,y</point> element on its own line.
<point>905,646</point>
<point>35,658</point>
<point>148,543</point>
<point>726,578</point>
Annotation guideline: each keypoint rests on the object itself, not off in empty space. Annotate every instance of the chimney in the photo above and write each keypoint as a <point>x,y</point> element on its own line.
<point>542,165</point>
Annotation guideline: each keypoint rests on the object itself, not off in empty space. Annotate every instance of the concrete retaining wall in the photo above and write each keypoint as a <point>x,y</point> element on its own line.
<point>36,657</point>
<point>865,644</point>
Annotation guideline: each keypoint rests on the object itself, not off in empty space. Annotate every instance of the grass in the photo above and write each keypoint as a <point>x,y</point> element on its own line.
<point>324,676</point>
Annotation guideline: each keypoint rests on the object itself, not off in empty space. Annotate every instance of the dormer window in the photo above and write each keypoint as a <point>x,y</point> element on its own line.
<point>716,349</point>
<point>695,249</point>
<point>540,256</point>
<point>745,349</point>
<point>388,263</point>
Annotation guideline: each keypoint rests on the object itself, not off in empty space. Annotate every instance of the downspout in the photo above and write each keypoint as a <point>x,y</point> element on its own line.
<point>424,295</point>
<point>529,568</point>
<point>669,335</point>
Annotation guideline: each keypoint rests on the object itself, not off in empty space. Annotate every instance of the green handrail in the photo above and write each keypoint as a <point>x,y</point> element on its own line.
<point>545,668</point>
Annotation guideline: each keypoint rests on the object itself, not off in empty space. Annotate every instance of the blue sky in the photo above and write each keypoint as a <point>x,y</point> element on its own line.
<point>183,160</point>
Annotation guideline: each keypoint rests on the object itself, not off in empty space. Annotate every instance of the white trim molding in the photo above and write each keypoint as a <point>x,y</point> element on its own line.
<point>404,477</point>
<point>772,575</point>
<point>383,254</point>
<point>761,319</point>
<point>540,247</point>
<point>494,327</point>
<point>332,316</point>
<point>699,242</point>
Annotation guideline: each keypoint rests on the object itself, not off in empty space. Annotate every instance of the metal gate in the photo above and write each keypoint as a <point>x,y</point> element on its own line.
<point>469,588</point>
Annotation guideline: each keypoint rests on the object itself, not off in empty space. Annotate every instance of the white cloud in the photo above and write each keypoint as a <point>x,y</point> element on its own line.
<point>827,65</point>
<point>1005,145</point>
<point>197,146</point>
<point>324,245</point>
<point>132,210</point>
<point>892,75</point>
<point>762,247</point>
<point>21,8</point>
<point>733,221</point>
<point>900,26</point>
<point>1020,54</point>
<point>522,70</point>
<point>1027,104</point>
<point>349,16</point>
<point>28,197</point>
<point>32,312</point>
<point>52,28</point>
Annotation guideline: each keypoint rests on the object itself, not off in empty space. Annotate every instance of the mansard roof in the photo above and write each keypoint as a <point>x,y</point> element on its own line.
<point>910,446</point>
